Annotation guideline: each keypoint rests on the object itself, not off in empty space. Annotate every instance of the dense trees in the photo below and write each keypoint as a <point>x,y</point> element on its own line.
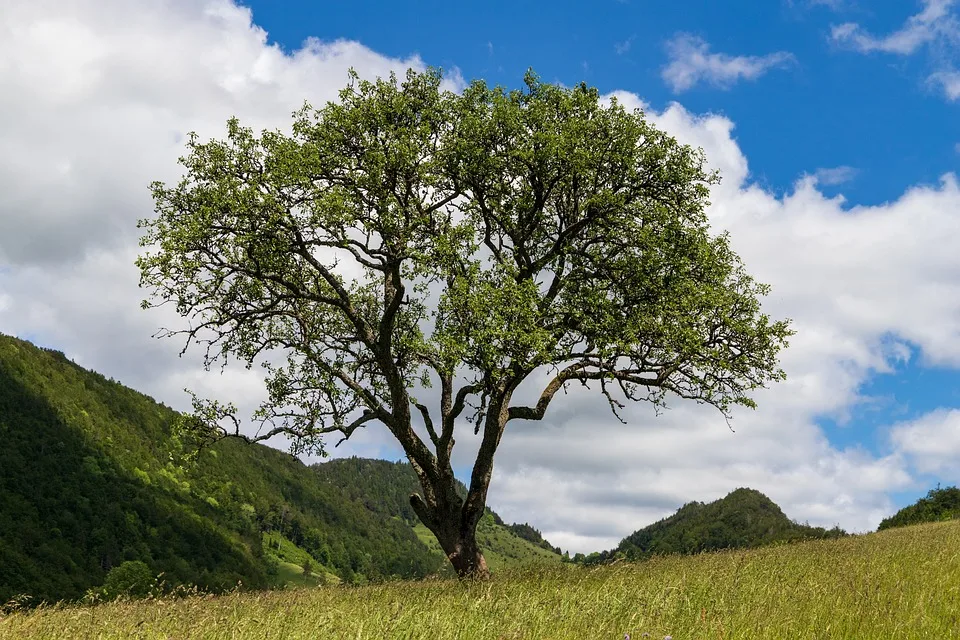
<point>86,484</point>
<point>70,512</point>
<point>939,504</point>
<point>407,237</point>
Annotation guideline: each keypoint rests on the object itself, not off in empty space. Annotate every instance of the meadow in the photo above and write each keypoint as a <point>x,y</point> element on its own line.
<point>898,583</point>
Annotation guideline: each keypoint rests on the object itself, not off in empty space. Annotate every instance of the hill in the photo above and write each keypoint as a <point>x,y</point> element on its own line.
<point>385,487</point>
<point>939,504</point>
<point>745,518</point>
<point>90,477</point>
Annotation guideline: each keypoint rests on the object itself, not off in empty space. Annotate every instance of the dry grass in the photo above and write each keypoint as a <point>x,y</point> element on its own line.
<point>901,583</point>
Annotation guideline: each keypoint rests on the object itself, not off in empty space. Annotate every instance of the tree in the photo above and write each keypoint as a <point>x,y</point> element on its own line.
<point>133,578</point>
<point>407,236</point>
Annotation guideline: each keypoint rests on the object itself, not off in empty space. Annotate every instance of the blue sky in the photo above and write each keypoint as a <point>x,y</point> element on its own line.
<point>828,106</point>
<point>833,123</point>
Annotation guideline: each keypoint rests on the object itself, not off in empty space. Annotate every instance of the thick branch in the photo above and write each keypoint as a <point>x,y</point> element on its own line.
<point>578,371</point>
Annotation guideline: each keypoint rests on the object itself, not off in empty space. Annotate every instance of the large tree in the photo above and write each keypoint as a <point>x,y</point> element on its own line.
<point>407,237</point>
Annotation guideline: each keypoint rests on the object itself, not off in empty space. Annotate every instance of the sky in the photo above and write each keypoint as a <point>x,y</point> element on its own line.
<point>833,123</point>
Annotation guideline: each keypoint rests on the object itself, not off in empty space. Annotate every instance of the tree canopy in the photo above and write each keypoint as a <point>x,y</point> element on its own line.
<point>406,236</point>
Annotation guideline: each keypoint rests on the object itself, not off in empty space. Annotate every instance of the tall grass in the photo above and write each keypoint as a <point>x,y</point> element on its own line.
<point>900,583</point>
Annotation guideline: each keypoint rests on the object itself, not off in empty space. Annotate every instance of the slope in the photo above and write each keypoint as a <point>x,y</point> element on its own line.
<point>87,481</point>
<point>385,487</point>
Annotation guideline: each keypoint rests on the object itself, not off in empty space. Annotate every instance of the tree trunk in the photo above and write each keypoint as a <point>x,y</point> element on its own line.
<point>465,556</point>
<point>449,517</point>
<point>456,534</point>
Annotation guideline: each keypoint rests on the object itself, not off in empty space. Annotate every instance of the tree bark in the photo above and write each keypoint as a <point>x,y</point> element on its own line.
<point>456,534</point>
<point>465,556</point>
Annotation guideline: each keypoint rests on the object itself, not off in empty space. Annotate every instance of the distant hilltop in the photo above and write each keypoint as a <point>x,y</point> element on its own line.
<point>743,519</point>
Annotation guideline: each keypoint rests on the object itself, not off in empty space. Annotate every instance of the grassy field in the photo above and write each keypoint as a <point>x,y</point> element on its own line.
<point>900,583</point>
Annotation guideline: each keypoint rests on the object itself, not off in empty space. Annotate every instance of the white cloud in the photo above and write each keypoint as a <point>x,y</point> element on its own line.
<point>936,29</point>
<point>866,287</point>
<point>835,175</point>
<point>624,46</point>
<point>948,82</point>
<point>934,22</point>
<point>91,85</point>
<point>691,63</point>
<point>98,95</point>
<point>932,442</point>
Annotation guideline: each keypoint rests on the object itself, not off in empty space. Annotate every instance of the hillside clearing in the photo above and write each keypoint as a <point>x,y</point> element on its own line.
<point>900,583</point>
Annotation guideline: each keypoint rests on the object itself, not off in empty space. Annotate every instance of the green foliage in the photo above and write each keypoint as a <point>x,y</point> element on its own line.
<point>743,519</point>
<point>87,484</point>
<point>502,550</point>
<point>939,504</point>
<point>383,487</point>
<point>74,505</point>
<point>557,232</point>
<point>899,584</point>
<point>132,578</point>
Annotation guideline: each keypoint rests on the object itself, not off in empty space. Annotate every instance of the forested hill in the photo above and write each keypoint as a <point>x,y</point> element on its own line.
<point>88,481</point>
<point>744,518</point>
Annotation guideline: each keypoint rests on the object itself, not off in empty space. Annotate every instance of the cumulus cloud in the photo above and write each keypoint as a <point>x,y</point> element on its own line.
<point>932,442</point>
<point>102,94</point>
<point>691,62</point>
<point>98,95</point>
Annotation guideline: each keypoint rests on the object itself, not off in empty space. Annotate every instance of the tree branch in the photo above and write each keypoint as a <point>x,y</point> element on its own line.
<point>578,371</point>
<point>428,421</point>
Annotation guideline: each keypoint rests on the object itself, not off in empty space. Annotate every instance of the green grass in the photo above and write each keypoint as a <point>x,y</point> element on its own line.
<point>900,583</point>
<point>290,559</point>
